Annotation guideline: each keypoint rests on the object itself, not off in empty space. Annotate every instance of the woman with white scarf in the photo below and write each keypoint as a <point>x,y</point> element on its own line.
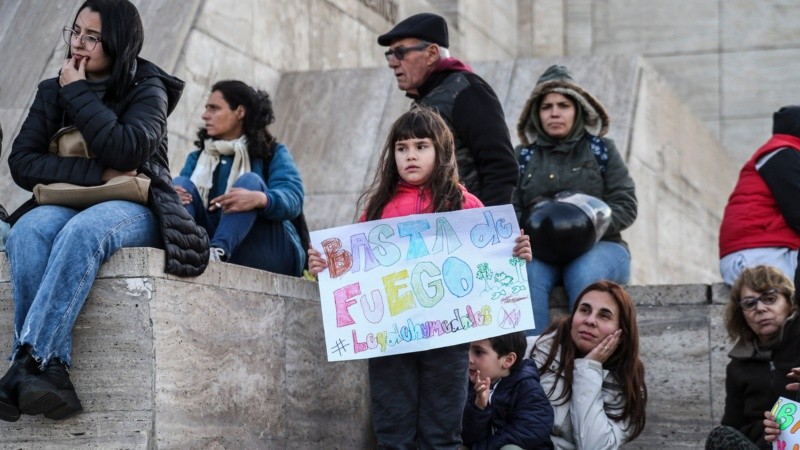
<point>241,185</point>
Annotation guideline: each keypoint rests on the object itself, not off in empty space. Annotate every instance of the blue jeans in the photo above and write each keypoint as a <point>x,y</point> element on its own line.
<point>605,261</point>
<point>54,253</point>
<point>733,264</point>
<point>248,238</point>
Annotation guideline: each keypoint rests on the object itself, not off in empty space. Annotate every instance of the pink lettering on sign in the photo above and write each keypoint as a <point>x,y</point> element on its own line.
<point>343,299</point>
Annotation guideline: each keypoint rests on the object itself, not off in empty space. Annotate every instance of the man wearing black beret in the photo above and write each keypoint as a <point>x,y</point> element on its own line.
<point>419,58</point>
<point>418,398</point>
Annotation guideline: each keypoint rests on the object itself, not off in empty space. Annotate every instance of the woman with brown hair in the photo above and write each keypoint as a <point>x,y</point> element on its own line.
<point>591,371</point>
<point>574,193</point>
<point>761,319</point>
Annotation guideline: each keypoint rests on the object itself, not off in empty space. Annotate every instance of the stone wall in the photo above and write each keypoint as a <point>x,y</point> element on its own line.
<point>234,359</point>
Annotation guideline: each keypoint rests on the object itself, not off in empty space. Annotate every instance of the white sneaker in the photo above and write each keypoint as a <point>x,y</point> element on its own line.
<point>217,254</point>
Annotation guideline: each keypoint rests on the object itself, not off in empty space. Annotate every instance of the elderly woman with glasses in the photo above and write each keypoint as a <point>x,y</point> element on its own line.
<point>761,319</point>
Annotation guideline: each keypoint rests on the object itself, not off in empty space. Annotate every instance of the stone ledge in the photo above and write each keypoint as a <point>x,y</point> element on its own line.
<point>234,358</point>
<point>228,359</point>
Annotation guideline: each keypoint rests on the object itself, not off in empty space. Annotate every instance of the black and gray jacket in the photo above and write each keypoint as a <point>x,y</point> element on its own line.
<point>130,134</point>
<point>486,163</point>
<point>755,378</point>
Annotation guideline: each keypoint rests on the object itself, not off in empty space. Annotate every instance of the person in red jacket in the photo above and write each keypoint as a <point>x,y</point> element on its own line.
<point>418,398</point>
<point>761,223</point>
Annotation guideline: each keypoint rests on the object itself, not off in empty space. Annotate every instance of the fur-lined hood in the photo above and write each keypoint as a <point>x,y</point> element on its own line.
<point>558,79</point>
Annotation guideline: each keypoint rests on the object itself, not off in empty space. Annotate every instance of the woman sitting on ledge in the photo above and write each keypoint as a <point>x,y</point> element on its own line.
<point>243,186</point>
<point>591,372</point>
<point>762,319</point>
<point>120,104</point>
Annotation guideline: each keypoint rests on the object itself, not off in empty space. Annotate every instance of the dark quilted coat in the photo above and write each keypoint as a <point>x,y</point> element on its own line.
<point>128,134</point>
<point>519,413</point>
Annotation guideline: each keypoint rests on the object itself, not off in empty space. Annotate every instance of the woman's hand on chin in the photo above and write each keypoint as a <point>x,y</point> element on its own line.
<point>72,70</point>
<point>606,347</point>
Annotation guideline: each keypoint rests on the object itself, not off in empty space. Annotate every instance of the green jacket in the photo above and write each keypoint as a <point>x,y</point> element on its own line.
<point>555,169</point>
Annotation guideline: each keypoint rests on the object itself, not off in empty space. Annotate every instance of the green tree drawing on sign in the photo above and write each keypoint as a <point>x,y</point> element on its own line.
<point>484,273</point>
<point>518,264</point>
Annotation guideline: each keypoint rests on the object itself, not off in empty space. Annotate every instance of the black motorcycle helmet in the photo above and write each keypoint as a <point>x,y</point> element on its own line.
<point>566,226</point>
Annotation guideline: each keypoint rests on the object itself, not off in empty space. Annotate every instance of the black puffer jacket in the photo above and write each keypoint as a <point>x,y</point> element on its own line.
<point>3,215</point>
<point>126,135</point>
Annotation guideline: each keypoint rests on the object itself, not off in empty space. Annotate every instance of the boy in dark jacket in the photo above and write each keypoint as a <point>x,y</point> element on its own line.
<point>506,406</point>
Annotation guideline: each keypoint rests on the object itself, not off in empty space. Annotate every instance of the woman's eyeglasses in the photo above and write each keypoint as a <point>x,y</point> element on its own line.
<point>88,41</point>
<point>767,298</point>
<point>400,52</point>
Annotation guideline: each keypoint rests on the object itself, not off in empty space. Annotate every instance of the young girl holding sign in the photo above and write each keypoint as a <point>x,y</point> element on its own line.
<point>418,398</point>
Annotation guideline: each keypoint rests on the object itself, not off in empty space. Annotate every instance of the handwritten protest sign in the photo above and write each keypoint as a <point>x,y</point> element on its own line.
<point>421,282</point>
<point>787,414</point>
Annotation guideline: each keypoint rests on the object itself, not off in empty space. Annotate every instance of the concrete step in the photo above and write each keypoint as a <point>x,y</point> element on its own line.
<point>235,358</point>
<point>232,359</point>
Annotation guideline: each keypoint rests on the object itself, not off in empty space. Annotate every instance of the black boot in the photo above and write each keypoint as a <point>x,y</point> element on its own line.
<point>51,393</point>
<point>24,366</point>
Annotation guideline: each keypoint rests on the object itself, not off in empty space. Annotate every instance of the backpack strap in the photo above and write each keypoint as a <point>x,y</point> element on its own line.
<point>596,144</point>
<point>600,152</point>
<point>524,158</point>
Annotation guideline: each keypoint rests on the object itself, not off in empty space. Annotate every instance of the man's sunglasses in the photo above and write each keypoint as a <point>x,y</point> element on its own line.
<point>400,52</point>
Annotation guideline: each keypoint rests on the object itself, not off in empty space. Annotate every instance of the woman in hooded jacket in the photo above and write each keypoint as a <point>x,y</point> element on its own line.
<point>563,152</point>
<point>120,104</point>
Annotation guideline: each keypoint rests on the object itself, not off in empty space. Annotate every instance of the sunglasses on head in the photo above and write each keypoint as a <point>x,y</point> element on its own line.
<point>749,303</point>
<point>400,52</point>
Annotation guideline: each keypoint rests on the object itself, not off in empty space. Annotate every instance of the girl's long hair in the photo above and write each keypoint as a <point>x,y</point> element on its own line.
<point>258,115</point>
<point>122,36</point>
<point>624,363</point>
<point>443,185</point>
